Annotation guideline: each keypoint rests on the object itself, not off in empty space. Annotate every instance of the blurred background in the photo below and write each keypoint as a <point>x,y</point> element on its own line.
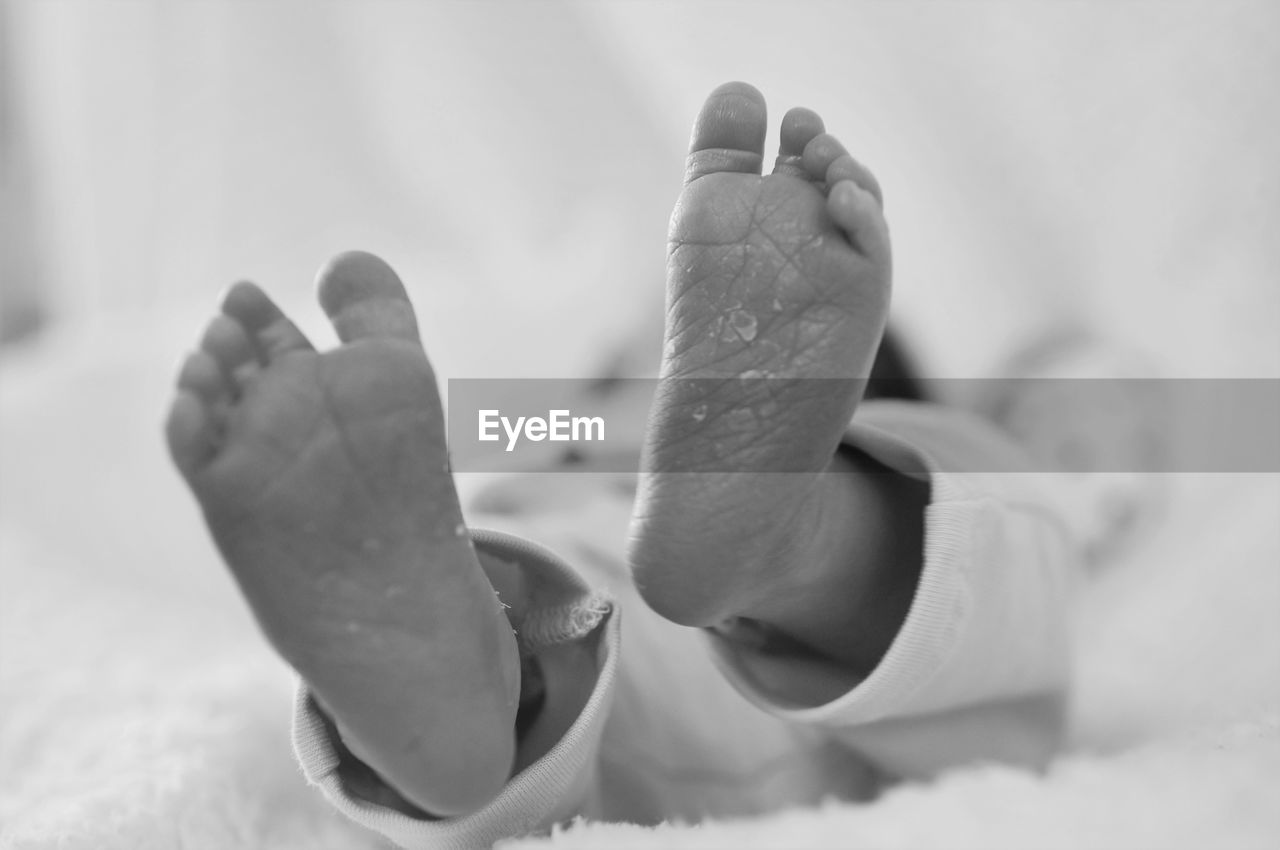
<point>1105,164</point>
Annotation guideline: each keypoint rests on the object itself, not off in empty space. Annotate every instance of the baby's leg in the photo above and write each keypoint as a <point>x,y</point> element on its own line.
<point>324,479</point>
<point>778,293</point>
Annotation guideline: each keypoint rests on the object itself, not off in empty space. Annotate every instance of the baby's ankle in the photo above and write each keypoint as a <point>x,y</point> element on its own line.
<point>849,583</point>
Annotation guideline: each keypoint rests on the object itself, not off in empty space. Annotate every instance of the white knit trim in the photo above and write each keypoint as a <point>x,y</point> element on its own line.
<point>564,623</point>
<point>538,796</point>
<point>934,621</point>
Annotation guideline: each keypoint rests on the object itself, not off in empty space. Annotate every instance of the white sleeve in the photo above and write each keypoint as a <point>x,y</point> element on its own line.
<point>983,653</point>
<point>550,790</point>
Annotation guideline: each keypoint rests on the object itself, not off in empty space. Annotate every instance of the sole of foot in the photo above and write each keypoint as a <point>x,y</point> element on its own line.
<point>324,480</point>
<point>777,298</point>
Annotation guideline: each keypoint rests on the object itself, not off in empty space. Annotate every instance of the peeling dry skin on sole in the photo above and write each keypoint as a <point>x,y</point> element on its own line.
<point>772,279</point>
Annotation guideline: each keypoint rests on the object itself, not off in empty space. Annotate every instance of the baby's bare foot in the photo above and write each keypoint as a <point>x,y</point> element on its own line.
<point>772,281</point>
<point>324,480</point>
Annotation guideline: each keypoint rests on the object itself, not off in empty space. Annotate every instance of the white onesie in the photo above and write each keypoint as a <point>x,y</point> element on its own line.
<point>684,723</point>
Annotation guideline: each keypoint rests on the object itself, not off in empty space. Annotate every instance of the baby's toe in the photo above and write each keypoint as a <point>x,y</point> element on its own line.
<point>190,431</point>
<point>825,160</point>
<point>269,329</point>
<point>857,212</point>
<point>228,343</point>
<point>198,413</point>
<point>728,134</point>
<point>203,377</point>
<point>799,127</point>
<point>365,299</point>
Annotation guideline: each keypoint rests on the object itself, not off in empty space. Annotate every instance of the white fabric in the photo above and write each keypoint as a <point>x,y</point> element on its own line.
<point>987,627</point>
<point>998,561</point>
<point>549,791</point>
<point>142,710</point>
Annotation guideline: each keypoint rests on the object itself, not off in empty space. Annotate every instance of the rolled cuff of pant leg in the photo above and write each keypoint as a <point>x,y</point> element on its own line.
<point>988,618</point>
<point>550,790</point>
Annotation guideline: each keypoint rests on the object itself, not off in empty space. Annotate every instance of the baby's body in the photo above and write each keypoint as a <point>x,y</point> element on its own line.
<point>325,481</point>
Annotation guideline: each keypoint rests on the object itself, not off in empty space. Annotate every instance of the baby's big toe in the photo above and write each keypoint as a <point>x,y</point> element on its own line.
<point>728,134</point>
<point>365,299</point>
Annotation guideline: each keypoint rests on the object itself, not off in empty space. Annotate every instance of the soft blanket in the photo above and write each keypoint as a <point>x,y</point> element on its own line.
<point>140,709</point>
